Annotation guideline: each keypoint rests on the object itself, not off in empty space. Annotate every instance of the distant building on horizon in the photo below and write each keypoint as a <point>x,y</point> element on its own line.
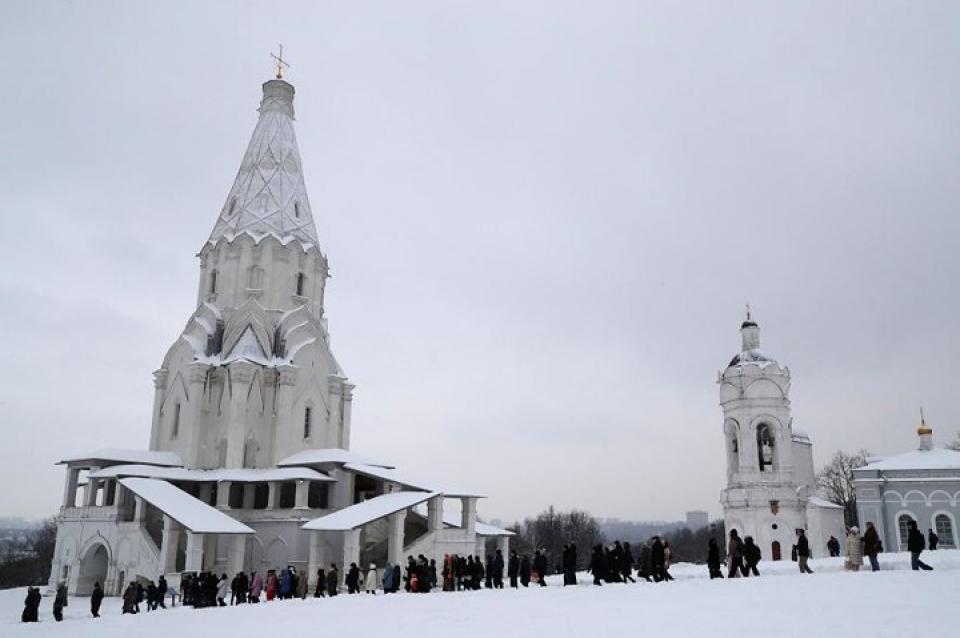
<point>697,519</point>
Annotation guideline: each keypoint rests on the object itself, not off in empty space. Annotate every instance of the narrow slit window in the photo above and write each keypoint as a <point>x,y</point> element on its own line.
<point>296,209</point>
<point>307,415</point>
<point>175,428</point>
<point>301,282</point>
<point>213,282</point>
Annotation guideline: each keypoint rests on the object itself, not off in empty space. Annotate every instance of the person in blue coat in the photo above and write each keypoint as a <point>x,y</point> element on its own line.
<point>388,578</point>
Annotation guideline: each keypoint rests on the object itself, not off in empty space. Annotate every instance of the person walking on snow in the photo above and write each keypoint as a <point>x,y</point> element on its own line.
<point>854,550</point>
<point>915,545</point>
<point>872,546</point>
<point>370,580</point>
<point>803,553</point>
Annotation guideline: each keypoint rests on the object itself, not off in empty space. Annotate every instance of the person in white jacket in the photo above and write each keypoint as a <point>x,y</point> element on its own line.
<point>223,590</point>
<point>370,580</point>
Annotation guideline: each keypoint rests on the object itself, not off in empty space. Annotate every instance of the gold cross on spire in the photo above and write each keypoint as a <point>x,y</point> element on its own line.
<point>281,63</point>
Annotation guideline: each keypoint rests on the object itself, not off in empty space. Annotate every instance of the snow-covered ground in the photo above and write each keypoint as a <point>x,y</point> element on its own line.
<point>831,603</point>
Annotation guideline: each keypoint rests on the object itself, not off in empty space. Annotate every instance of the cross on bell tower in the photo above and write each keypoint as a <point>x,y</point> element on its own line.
<point>281,63</point>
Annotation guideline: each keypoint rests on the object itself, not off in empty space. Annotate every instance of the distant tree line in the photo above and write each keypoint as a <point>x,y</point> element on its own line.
<point>30,563</point>
<point>550,530</point>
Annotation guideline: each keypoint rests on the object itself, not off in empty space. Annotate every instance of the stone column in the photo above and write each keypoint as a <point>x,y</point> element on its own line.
<point>160,389</point>
<point>210,542</point>
<point>346,415</point>
<point>223,495</point>
<point>168,548</point>
<point>110,581</point>
<point>139,510</point>
<point>395,524</point>
<point>303,490</point>
<point>351,548</point>
<point>191,415</point>
<point>90,492</point>
<point>249,495</point>
<point>342,491</point>
<point>240,376</point>
<point>503,544</point>
<point>335,430</point>
<point>435,514</point>
<point>468,514</point>
<point>272,494</point>
<point>70,488</point>
<point>314,560</point>
<point>194,552</point>
<point>238,549</point>
<point>285,421</point>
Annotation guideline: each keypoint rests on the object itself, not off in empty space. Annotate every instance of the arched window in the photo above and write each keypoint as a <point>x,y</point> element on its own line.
<point>765,447</point>
<point>301,283</point>
<point>903,525</point>
<point>944,529</point>
<point>250,454</point>
<point>213,281</point>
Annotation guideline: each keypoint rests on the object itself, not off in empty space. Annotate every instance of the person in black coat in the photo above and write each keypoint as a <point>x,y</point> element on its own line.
<point>751,556</point>
<point>626,568</point>
<point>713,559</point>
<point>525,571</point>
<point>353,579</point>
<point>657,560</point>
<point>513,568</point>
<point>597,564</point>
<point>915,545</point>
<point>31,605</point>
<point>540,566</point>
<point>803,553</point>
<point>320,591</point>
<point>163,588</point>
<point>96,599</point>
<point>498,570</point>
<point>932,540</point>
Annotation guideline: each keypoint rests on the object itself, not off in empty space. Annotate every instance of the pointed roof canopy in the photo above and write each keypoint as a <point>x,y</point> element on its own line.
<point>269,196</point>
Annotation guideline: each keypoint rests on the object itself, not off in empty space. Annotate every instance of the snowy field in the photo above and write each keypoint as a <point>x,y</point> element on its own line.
<point>831,603</point>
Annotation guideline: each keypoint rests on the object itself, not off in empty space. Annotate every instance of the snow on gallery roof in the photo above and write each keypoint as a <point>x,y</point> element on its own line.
<point>452,520</point>
<point>195,515</point>
<point>816,501</point>
<point>117,455</point>
<point>936,459</point>
<point>269,196</point>
<point>368,511</point>
<point>394,476</point>
<point>223,474</point>
<point>328,456</point>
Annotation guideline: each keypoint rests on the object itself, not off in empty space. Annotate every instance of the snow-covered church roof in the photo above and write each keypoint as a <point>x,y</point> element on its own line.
<point>936,459</point>
<point>269,196</point>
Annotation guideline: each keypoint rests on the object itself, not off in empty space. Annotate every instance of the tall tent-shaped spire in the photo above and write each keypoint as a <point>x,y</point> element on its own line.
<point>269,196</point>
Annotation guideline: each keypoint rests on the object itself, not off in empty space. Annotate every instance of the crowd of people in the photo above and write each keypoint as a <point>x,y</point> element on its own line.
<point>615,563</point>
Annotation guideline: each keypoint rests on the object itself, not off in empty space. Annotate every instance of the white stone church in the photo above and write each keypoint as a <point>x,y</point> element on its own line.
<point>771,485</point>
<point>249,466</point>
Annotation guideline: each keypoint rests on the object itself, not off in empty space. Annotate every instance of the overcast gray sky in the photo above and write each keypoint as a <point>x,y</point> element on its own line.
<point>543,221</point>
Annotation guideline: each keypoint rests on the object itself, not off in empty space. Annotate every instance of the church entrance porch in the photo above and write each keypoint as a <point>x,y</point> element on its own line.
<point>93,569</point>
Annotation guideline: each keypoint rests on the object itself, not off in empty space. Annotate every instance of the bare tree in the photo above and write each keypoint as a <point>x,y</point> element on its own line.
<point>955,443</point>
<point>550,530</point>
<point>835,482</point>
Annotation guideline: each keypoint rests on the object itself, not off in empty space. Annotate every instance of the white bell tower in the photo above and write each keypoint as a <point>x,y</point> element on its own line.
<point>763,497</point>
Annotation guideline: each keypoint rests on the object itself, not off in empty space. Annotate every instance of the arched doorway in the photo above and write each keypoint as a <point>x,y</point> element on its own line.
<point>93,569</point>
<point>775,550</point>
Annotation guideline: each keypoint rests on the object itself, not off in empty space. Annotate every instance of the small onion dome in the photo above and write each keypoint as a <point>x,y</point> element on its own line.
<point>749,323</point>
